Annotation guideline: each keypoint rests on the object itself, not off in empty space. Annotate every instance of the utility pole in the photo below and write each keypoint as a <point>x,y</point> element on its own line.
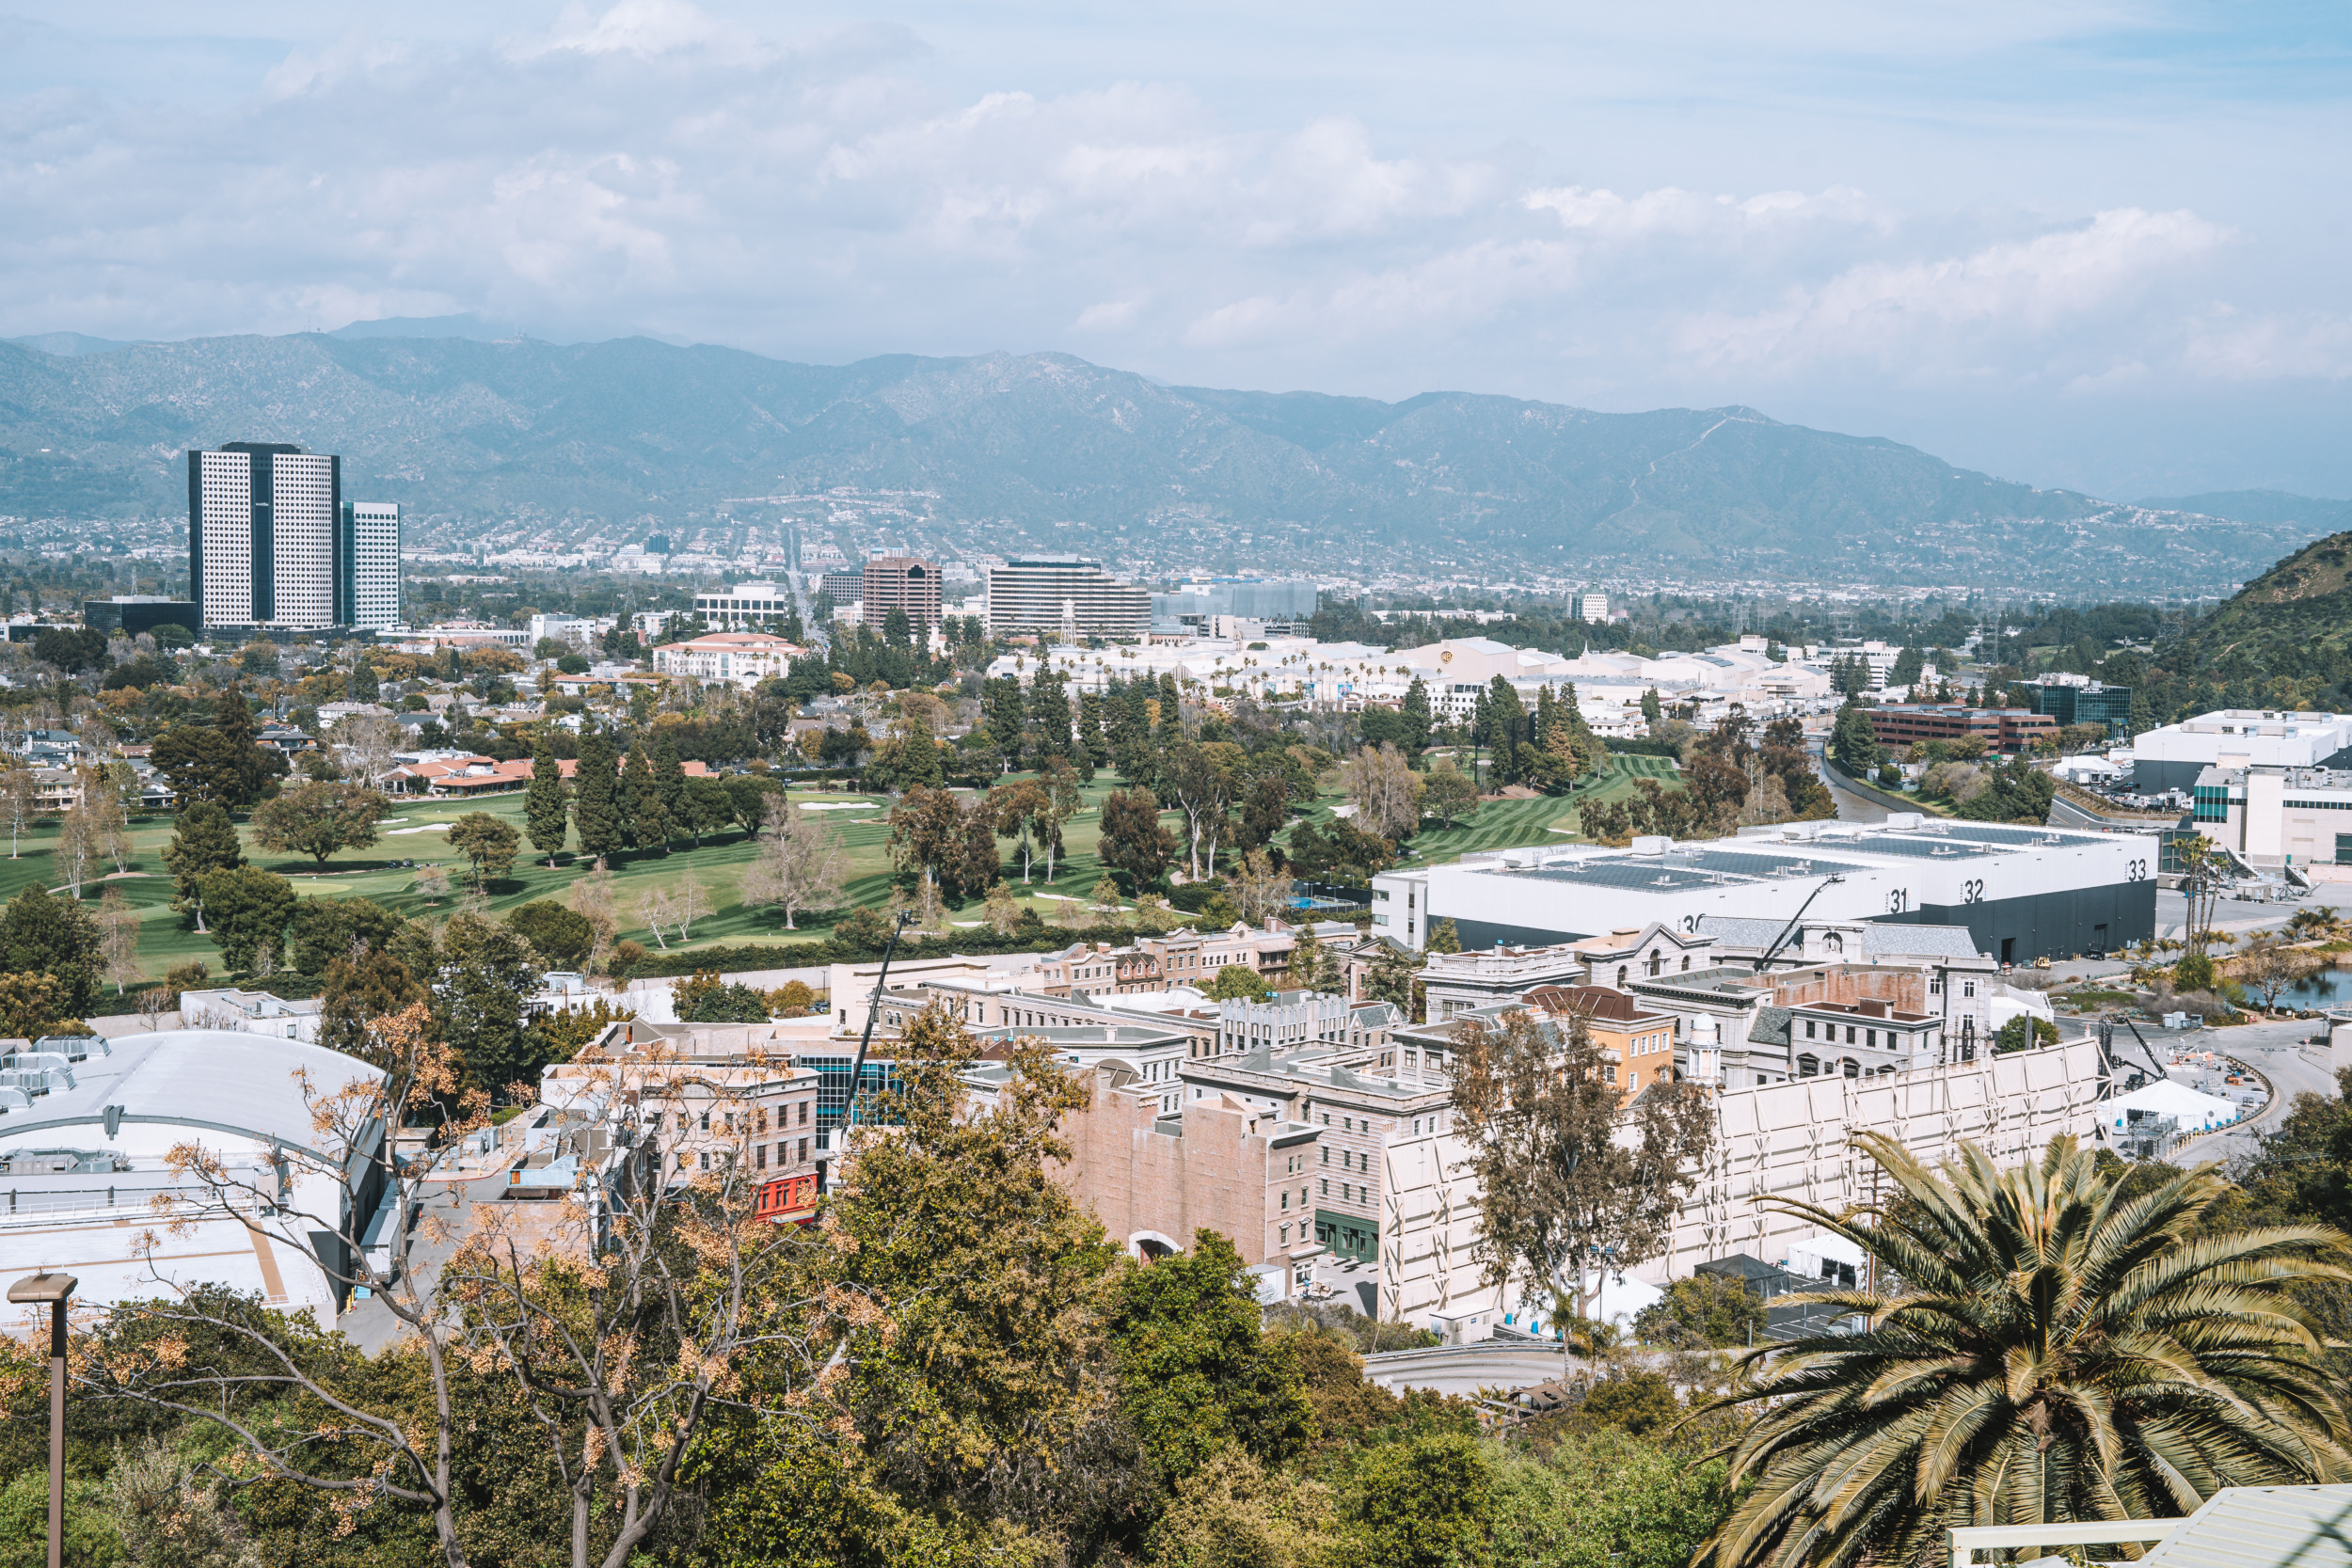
<point>53,1290</point>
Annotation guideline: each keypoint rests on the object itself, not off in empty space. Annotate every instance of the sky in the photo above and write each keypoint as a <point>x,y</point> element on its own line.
<point>2092,245</point>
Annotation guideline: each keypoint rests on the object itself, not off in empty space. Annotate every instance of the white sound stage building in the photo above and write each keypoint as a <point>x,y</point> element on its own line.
<point>87,1127</point>
<point>2023,893</point>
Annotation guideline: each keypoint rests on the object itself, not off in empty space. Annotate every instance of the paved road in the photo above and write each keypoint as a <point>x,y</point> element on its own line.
<point>2280,1052</point>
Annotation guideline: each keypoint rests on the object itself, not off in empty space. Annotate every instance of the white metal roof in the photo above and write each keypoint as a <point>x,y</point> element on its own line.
<point>2264,1527</point>
<point>221,1079</point>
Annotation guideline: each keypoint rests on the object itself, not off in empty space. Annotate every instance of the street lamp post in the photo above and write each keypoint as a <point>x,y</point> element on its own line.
<point>52,1288</point>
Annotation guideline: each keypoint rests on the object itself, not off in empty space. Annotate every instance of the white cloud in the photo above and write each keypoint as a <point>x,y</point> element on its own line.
<point>1107,315</point>
<point>1679,215</point>
<point>2312,346</point>
<point>644,28</point>
<point>1890,312</point>
<point>654,165</point>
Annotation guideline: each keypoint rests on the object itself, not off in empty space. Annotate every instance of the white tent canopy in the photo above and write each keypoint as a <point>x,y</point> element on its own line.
<point>2165,1098</point>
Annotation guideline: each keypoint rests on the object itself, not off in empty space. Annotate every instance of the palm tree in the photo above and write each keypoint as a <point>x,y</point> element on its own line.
<point>2043,1349</point>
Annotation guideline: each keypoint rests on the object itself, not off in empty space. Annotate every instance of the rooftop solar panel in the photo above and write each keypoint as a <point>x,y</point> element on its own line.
<point>1987,833</point>
<point>1626,874</point>
<point>1931,850</point>
<point>1740,863</point>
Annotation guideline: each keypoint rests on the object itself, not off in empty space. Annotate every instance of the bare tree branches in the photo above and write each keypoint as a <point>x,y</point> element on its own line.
<point>799,862</point>
<point>623,1311</point>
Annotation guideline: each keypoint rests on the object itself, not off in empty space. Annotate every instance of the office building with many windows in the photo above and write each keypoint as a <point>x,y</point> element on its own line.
<point>367,565</point>
<point>744,603</point>
<point>2080,701</point>
<point>904,583</point>
<point>1061,594</point>
<point>273,544</point>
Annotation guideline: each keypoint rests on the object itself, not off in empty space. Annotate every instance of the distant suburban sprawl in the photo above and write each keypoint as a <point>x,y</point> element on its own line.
<point>1370,1039</point>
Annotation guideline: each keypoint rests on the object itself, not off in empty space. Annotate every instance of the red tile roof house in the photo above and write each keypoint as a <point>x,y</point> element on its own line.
<point>465,776</point>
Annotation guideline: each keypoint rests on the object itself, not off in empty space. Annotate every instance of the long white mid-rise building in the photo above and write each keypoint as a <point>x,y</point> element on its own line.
<point>272,543</point>
<point>1059,595</point>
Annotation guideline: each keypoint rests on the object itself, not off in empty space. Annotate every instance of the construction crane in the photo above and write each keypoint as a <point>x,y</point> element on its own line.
<point>1786,931</point>
<point>857,1068</point>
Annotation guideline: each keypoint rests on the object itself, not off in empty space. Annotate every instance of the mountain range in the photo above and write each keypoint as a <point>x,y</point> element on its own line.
<point>461,425</point>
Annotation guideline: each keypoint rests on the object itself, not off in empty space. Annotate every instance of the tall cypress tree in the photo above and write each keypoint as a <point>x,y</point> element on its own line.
<point>544,815</point>
<point>1416,712</point>
<point>641,795</point>
<point>232,717</point>
<point>669,776</point>
<point>597,806</point>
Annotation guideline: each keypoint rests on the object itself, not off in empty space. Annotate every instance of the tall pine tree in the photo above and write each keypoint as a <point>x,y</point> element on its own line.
<point>1093,745</point>
<point>669,775</point>
<point>641,794</point>
<point>596,807</point>
<point>544,814</point>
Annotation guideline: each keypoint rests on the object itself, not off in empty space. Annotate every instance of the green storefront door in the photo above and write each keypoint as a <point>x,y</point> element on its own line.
<point>1349,1235</point>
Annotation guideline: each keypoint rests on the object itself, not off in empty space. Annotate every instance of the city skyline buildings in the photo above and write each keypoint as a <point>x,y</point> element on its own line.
<point>1066,595</point>
<point>273,543</point>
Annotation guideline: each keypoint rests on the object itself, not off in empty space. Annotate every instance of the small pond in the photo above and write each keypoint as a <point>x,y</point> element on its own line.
<point>2319,989</point>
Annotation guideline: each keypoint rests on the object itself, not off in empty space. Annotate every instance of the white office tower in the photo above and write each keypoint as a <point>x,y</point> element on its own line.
<point>368,566</point>
<point>1074,598</point>
<point>261,534</point>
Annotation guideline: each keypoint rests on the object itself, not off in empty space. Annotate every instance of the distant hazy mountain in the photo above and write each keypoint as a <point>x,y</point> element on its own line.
<point>70,343</point>
<point>467,326</point>
<point>2263,506</point>
<point>459,427</point>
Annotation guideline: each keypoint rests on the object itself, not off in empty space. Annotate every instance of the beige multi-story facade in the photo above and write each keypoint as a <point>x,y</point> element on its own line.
<point>742,658</point>
<point>712,1095</point>
<point>906,583</point>
<point>1154,1178</point>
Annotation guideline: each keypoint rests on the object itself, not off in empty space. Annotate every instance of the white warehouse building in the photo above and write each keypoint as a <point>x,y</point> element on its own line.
<point>2023,893</point>
<point>2173,756</point>
<point>86,1127</point>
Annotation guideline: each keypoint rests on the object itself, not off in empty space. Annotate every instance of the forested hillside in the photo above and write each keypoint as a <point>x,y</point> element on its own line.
<point>1091,458</point>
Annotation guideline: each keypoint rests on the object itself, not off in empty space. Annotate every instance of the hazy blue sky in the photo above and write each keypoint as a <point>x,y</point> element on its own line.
<point>2094,244</point>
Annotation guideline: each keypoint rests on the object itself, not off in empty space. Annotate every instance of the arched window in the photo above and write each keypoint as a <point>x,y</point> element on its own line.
<point>1621,973</point>
<point>1686,963</point>
<point>1655,963</point>
<point>1853,1068</point>
<point>1809,1067</point>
